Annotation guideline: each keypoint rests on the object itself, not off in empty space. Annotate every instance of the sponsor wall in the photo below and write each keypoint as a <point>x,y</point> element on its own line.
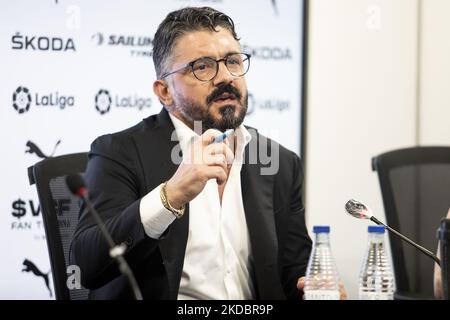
<point>73,70</point>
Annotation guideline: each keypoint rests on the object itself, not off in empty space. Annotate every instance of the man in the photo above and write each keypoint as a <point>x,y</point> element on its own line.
<point>216,225</point>
<point>437,279</point>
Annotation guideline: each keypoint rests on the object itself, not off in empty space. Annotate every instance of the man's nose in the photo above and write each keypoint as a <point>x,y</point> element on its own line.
<point>223,75</point>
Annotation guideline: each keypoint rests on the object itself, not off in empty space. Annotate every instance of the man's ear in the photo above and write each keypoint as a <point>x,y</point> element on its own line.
<point>161,89</point>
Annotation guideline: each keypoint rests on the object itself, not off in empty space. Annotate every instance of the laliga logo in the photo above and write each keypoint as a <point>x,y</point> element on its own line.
<point>250,104</point>
<point>104,101</point>
<point>267,104</point>
<point>21,99</point>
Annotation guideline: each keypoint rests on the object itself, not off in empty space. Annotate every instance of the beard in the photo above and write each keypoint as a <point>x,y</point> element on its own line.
<point>227,119</point>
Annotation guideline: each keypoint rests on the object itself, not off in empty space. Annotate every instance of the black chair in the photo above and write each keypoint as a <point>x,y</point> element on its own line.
<point>415,187</point>
<point>60,210</point>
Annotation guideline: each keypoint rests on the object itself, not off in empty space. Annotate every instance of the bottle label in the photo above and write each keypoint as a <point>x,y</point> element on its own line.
<point>376,296</point>
<point>322,295</point>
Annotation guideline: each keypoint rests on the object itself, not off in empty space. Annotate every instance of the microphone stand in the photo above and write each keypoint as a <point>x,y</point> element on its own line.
<point>424,250</point>
<point>116,251</point>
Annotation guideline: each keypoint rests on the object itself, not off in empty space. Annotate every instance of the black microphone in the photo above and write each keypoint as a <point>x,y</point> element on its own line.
<point>444,243</point>
<point>359,210</point>
<point>76,185</point>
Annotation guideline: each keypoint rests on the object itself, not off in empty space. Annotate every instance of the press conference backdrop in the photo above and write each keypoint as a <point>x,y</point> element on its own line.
<point>73,70</point>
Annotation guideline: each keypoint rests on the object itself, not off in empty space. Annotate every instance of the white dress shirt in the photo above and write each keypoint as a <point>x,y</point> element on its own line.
<point>217,263</point>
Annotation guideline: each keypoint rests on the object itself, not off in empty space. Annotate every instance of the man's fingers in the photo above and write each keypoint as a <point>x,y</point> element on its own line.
<point>301,283</point>
<point>216,172</point>
<point>209,135</point>
<point>217,160</point>
<point>343,293</point>
<point>221,148</point>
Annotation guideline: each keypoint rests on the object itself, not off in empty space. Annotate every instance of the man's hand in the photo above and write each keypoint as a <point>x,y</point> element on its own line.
<point>342,292</point>
<point>205,161</point>
<point>437,279</point>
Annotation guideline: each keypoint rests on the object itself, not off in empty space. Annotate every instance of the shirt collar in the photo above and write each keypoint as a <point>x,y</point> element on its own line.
<point>186,134</point>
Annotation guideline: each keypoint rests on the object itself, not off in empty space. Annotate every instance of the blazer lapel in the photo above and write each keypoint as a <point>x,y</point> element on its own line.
<point>156,147</point>
<point>257,195</point>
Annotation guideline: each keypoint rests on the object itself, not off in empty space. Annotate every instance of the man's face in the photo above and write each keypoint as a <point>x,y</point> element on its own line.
<point>220,103</point>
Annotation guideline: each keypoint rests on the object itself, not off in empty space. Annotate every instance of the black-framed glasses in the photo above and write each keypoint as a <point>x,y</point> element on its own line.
<point>206,68</point>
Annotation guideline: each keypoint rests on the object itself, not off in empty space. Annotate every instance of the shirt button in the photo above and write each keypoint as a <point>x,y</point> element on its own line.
<point>129,241</point>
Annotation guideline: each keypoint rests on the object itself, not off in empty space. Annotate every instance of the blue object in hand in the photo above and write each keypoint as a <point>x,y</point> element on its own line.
<point>223,136</point>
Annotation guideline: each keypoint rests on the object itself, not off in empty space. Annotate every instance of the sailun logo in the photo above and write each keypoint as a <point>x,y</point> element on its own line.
<point>138,46</point>
<point>98,37</point>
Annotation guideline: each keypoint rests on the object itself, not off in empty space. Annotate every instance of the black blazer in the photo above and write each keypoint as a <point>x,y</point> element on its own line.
<point>125,166</point>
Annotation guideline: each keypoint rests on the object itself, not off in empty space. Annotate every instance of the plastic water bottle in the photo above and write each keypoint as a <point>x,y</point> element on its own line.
<point>322,278</point>
<point>376,280</point>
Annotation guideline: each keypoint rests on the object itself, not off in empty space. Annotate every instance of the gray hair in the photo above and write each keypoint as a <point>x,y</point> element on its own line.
<point>178,23</point>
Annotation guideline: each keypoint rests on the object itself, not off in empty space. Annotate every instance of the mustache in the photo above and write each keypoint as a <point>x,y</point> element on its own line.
<point>227,88</point>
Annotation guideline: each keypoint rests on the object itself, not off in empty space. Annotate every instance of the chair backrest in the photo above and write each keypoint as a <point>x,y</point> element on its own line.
<point>60,211</point>
<point>415,187</point>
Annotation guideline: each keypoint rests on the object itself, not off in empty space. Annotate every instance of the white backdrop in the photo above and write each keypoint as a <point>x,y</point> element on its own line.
<point>73,70</point>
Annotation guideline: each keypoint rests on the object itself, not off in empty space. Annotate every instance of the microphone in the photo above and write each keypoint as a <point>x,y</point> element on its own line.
<point>76,185</point>
<point>359,210</point>
<point>444,243</point>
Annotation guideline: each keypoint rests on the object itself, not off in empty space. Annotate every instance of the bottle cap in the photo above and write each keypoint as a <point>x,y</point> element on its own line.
<point>375,229</point>
<point>321,229</point>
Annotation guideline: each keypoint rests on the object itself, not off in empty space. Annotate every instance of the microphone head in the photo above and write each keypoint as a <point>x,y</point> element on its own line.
<point>357,209</point>
<point>76,185</point>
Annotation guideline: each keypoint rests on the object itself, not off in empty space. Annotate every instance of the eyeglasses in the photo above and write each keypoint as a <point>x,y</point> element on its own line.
<point>206,68</point>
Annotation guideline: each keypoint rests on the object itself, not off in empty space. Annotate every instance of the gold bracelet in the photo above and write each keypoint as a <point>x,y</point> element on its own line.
<point>178,213</point>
